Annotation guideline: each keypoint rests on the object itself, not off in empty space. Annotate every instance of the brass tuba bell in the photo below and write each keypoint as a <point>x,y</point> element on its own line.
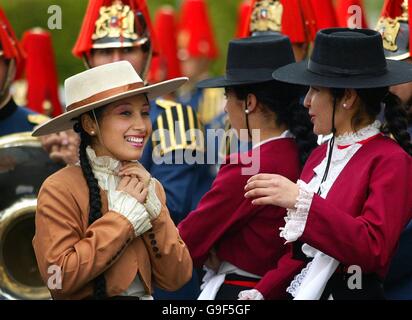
<point>24,165</point>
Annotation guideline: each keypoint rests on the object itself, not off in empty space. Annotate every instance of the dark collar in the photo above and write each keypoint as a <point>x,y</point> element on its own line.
<point>8,109</point>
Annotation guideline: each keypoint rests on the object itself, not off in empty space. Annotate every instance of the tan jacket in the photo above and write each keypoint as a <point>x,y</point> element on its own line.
<point>64,239</point>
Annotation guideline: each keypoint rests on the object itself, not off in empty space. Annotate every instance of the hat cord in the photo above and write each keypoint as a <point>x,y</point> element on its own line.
<point>99,135</point>
<point>247,120</point>
<point>331,144</point>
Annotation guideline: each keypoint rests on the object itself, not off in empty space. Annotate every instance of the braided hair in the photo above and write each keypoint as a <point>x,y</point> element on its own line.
<point>284,100</point>
<point>396,118</point>
<point>95,211</point>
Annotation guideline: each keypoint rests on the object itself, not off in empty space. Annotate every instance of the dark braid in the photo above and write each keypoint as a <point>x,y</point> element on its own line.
<point>397,121</point>
<point>395,114</point>
<point>302,128</point>
<point>284,100</point>
<point>94,200</point>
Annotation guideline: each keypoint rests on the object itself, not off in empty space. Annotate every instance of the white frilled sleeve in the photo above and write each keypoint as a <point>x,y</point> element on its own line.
<point>296,218</point>
<point>152,203</point>
<point>252,294</point>
<point>131,209</point>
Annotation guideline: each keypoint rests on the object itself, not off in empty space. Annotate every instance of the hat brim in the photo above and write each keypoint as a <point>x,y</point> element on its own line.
<point>297,73</point>
<point>249,78</point>
<point>66,120</point>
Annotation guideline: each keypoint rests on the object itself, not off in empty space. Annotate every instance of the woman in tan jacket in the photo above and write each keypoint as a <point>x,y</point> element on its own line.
<point>102,226</point>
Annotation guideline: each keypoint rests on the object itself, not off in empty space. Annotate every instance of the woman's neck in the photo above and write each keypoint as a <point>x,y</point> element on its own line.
<point>347,128</point>
<point>268,133</point>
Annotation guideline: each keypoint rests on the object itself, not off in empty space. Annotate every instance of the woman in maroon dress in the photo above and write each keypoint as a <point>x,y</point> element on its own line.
<point>347,211</point>
<point>226,232</point>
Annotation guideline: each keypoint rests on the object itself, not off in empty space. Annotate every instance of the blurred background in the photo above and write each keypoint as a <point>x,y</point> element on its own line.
<point>26,14</point>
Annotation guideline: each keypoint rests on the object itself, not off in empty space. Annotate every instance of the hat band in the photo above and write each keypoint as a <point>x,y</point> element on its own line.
<point>248,74</point>
<point>325,70</point>
<point>105,94</point>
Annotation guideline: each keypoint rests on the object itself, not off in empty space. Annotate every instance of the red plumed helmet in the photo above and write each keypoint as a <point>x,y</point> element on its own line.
<point>9,44</point>
<point>41,74</point>
<point>114,24</point>
<point>242,18</point>
<point>343,12</point>
<point>324,14</point>
<point>395,27</point>
<point>196,36</point>
<point>165,65</point>
<point>294,18</point>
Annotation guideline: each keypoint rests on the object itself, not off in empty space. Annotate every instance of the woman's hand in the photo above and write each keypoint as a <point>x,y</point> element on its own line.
<point>272,189</point>
<point>134,187</point>
<point>135,169</point>
<point>213,262</point>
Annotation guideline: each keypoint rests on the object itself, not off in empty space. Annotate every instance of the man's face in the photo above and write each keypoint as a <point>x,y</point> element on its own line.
<point>134,55</point>
<point>3,72</point>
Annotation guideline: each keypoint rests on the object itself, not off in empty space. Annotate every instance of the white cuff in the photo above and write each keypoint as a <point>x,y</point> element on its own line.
<point>296,218</point>
<point>129,207</point>
<point>152,203</point>
<point>252,294</point>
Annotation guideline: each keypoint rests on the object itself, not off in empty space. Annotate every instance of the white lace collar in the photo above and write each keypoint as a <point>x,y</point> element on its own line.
<point>362,134</point>
<point>104,164</point>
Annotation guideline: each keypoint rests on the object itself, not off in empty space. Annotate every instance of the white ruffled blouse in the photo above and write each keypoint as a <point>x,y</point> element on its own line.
<point>311,281</point>
<point>139,214</point>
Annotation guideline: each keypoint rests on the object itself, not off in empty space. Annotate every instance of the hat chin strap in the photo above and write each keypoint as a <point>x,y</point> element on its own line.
<point>99,135</point>
<point>331,144</point>
<point>247,120</point>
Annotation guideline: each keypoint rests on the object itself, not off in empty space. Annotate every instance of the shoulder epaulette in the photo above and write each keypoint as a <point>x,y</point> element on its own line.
<point>37,119</point>
<point>211,104</point>
<point>176,128</point>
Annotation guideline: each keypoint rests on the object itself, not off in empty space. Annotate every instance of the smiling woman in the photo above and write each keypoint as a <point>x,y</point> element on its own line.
<point>122,128</point>
<point>104,223</point>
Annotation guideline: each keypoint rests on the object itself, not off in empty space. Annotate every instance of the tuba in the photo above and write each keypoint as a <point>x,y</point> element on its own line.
<point>24,165</point>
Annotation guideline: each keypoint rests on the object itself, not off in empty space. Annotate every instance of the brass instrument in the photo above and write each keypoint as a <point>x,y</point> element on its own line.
<point>24,165</point>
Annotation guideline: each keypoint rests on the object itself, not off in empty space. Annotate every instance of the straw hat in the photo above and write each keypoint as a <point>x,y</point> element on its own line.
<point>100,86</point>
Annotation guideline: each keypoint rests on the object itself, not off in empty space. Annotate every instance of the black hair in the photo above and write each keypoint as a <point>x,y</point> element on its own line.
<point>95,201</point>
<point>396,118</point>
<point>284,100</point>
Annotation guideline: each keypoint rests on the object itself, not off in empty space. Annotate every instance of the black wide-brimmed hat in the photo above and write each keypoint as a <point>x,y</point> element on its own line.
<point>346,58</point>
<point>252,60</point>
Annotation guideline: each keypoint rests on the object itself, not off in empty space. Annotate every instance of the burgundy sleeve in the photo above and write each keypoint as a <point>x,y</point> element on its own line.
<point>222,208</point>
<point>274,283</point>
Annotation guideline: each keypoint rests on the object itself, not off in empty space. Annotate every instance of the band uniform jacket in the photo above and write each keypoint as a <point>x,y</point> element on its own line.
<point>64,239</point>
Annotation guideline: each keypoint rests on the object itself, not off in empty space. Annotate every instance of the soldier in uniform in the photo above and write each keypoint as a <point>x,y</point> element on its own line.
<point>275,16</point>
<point>165,65</point>
<point>197,48</point>
<point>395,26</point>
<point>13,119</point>
<point>114,30</point>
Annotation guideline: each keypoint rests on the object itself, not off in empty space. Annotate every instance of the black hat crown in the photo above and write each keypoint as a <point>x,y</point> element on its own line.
<point>252,60</point>
<point>346,58</point>
<point>347,52</point>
